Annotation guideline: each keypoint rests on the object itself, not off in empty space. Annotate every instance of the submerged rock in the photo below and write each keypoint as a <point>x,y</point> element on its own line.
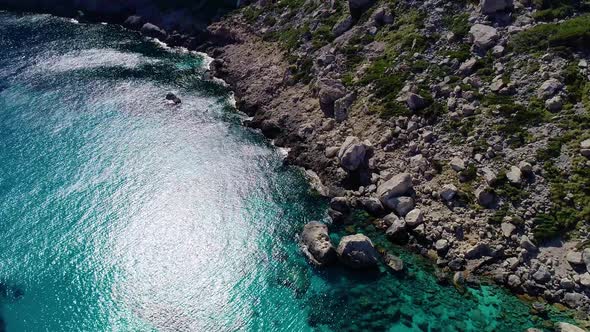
<point>173,98</point>
<point>394,262</point>
<point>316,245</point>
<point>357,251</point>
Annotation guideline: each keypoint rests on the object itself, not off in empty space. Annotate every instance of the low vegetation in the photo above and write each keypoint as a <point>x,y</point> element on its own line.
<point>573,33</point>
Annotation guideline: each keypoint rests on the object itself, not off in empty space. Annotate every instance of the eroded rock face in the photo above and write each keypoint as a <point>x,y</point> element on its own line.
<point>316,245</point>
<point>357,251</point>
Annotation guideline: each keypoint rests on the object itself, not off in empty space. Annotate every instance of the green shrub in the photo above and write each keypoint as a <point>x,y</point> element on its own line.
<point>303,73</point>
<point>573,33</point>
<point>458,24</point>
<point>504,188</point>
<point>462,53</point>
<point>251,13</point>
<point>291,4</point>
<point>385,83</point>
<point>577,84</point>
<point>390,109</point>
<point>554,13</point>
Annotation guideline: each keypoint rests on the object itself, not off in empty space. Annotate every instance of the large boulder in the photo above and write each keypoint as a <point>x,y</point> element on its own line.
<point>402,205</point>
<point>415,102</point>
<point>316,245</point>
<point>586,258</point>
<point>549,88</point>
<point>357,251</point>
<point>394,262</point>
<point>397,230</point>
<point>489,7</point>
<point>134,22</point>
<point>153,31</point>
<point>352,154</point>
<point>342,107</point>
<point>358,7</point>
<point>398,185</point>
<point>329,92</point>
<point>574,258</point>
<point>567,327</point>
<point>485,197</point>
<point>341,27</point>
<point>483,36</point>
<point>414,218</point>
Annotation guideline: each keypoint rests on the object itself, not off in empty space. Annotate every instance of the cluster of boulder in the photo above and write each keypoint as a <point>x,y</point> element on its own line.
<point>173,38</point>
<point>355,251</point>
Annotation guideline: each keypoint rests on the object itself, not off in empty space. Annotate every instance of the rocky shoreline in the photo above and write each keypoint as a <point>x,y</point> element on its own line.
<point>444,183</point>
<point>404,171</point>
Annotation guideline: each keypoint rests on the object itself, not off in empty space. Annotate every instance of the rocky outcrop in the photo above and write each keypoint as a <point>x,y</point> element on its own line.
<point>153,31</point>
<point>357,251</point>
<point>316,245</point>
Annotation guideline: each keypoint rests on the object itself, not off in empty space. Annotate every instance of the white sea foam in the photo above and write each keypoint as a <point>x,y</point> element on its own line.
<point>92,58</point>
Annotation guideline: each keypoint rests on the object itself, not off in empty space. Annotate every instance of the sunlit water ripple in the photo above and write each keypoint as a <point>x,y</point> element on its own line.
<point>121,212</point>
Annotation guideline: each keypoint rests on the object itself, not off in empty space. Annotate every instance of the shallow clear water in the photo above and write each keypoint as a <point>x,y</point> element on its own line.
<point>120,212</point>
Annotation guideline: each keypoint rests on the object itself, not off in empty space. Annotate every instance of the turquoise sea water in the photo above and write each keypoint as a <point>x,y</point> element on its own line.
<point>120,212</point>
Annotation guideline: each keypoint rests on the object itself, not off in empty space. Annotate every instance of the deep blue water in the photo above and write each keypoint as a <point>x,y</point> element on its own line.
<point>121,212</point>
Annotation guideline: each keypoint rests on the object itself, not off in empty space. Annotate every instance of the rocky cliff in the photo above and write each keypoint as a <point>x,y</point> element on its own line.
<point>459,128</point>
